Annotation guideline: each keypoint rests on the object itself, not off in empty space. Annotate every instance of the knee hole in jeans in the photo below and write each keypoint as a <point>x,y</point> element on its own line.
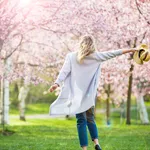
<point>90,120</point>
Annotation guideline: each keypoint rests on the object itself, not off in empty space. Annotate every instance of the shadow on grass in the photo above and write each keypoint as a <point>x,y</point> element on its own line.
<point>7,132</point>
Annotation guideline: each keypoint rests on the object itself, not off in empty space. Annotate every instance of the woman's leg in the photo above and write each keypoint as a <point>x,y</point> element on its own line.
<point>82,131</point>
<point>92,125</point>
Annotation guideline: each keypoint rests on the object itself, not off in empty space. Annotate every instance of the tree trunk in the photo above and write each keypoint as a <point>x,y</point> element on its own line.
<point>108,105</point>
<point>23,92</point>
<point>1,92</point>
<point>129,96</point>
<point>142,109</point>
<point>1,102</point>
<point>6,91</point>
<point>6,101</point>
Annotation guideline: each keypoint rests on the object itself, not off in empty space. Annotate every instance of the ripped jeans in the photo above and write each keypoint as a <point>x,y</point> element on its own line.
<point>83,119</point>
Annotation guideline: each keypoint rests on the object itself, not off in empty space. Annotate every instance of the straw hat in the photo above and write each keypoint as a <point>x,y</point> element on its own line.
<point>141,55</point>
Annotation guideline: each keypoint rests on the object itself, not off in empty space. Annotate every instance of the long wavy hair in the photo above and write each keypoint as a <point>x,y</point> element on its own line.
<point>87,46</point>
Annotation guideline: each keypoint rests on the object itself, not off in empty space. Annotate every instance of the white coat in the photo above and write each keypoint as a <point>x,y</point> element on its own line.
<point>78,93</point>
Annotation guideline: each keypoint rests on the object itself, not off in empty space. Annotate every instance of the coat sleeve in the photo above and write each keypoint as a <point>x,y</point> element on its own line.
<point>65,70</point>
<point>103,56</point>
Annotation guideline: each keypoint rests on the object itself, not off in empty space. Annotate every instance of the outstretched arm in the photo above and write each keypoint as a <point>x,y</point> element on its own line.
<point>129,50</point>
<point>65,70</point>
<point>103,56</point>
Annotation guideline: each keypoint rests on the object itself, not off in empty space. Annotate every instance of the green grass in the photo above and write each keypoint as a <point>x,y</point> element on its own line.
<point>37,108</point>
<point>61,134</point>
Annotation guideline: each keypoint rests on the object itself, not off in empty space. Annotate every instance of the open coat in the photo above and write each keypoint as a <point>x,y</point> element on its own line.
<point>79,82</point>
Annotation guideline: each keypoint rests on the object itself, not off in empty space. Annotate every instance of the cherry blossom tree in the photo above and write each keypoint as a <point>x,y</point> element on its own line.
<point>59,24</point>
<point>17,18</point>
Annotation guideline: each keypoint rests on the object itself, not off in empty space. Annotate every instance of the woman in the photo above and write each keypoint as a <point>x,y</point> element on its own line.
<point>80,75</point>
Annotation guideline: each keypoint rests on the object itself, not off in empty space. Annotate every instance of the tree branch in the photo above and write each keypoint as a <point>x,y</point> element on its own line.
<point>16,47</point>
<point>139,10</point>
<point>143,37</point>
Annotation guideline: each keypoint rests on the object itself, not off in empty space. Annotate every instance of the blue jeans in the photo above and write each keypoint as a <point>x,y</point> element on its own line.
<point>83,119</point>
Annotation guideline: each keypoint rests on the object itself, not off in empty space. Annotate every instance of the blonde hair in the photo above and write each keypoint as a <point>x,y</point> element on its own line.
<point>87,46</point>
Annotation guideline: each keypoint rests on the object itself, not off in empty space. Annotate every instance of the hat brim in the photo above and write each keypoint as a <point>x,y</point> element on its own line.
<point>143,46</point>
<point>145,56</point>
<point>137,59</point>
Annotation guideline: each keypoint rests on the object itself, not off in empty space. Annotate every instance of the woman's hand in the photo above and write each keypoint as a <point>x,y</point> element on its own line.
<point>129,50</point>
<point>53,87</point>
<point>134,49</point>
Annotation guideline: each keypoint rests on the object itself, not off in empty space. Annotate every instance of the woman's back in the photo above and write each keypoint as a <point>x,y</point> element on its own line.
<point>82,74</point>
<point>80,82</point>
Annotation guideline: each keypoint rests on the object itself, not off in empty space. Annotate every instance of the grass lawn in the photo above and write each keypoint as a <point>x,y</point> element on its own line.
<point>61,134</point>
<point>37,108</point>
